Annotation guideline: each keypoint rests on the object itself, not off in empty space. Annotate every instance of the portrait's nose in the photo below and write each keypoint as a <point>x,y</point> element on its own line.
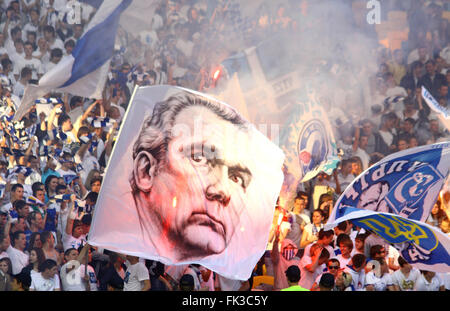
<point>219,188</point>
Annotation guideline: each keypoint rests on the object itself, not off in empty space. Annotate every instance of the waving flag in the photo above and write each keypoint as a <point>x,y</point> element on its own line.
<point>442,112</point>
<point>406,183</point>
<point>423,246</point>
<point>189,181</point>
<point>84,72</point>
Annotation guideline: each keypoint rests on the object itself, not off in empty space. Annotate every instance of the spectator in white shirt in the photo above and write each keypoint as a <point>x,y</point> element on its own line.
<point>47,280</point>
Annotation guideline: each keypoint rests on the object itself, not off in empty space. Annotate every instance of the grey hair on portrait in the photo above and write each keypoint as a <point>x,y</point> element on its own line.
<point>156,131</point>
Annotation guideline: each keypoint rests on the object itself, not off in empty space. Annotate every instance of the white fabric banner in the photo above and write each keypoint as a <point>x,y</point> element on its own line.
<point>189,181</point>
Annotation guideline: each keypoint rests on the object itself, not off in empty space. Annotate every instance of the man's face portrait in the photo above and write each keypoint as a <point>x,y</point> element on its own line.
<point>198,193</point>
<point>189,180</point>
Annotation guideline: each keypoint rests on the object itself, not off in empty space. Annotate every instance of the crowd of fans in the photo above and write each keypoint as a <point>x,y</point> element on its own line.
<point>53,160</point>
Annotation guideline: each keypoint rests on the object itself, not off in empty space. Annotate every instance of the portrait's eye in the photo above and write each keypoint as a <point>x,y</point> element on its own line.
<point>238,180</point>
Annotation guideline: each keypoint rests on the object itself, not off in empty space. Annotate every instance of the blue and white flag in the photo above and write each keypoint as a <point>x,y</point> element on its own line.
<point>442,112</point>
<point>423,246</point>
<point>406,183</point>
<point>84,72</point>
<point>309,145</point>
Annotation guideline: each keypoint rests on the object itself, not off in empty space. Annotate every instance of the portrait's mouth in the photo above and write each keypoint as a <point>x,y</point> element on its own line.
<point>204,219</point>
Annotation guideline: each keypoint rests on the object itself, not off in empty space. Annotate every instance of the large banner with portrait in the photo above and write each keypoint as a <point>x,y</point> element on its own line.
<point>406,183</point>
<point>189,181</point>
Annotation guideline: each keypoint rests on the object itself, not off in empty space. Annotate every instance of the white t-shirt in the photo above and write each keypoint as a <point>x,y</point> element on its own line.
<point>18,258</point>
<point>358,278</point>
<point>71,242</point>
<point>135,276</point>
<point>343,261</point>
<point>379,284</point>
<point>423,285</point>
<point>74,280</point>
<point>307,278</point>
<point>38,283</point>
<point>34,64</point>
<point>403,282</point>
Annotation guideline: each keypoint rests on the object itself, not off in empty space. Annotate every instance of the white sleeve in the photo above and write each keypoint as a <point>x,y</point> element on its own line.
<point>142,273</point>
<point>57,284</point>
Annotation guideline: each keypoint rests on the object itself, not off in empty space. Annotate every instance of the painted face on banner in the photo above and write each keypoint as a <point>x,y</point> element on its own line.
<point>200,192</point>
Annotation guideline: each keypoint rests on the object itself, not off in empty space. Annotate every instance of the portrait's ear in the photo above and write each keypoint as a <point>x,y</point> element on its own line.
<point>144,170</point>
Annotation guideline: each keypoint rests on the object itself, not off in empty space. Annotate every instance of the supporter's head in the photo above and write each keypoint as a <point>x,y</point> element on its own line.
<point>317,217</point>
<point>77,229</point>
<point>19,225</point>
<point>299,205</point>
<point>35,220</point>
<point>47,239</point>
<point>6,65</point>
<point>95,184</point>
<point>76,101</point>
<point>86,221</point>
<point>367,127</point>
<point>357,166</point>
<point>343,228</point>
<point>37,256</point>
<point>16,192</point>
<point>38,189</point>
<point>402,143</point>
<point>430,67</point>
<point>70,254</point>
<point>333,266</point>
<point>55,55</point>
<point>358,262</point>
<point>326,236</point>
<point>18,44</point>
<point>434,126</point>
<point>324,254</point>
<point>6,265</point>
<point>443,91</point>
<point>65,122</point>
<point>35,241</point>
<point>68,46</point>
<point>326,282</point>
<point>28,49</point>
<point>16,33</point>
<point>25,74</point>
<point>19,240</point>
<point>49,33</point>
<point>50,184</point>
<point>61,189</point>
<point>31,37</point>
<point>5,242</point>
<point>83,131</point>
<point>293,274</point>
<point>346,246</point>
<point>48,269</point>
<point>77,30</point>
<point>388,121</point>
<point>22,208</point>
<point>377,251</point>
<point>34,15</point>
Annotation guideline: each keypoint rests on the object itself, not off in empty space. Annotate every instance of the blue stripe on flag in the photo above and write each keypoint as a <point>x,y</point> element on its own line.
<point>96,46</point>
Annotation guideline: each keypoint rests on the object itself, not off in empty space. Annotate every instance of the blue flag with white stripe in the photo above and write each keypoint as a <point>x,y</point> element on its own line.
<point>406,183</point>
<point>84,72</point>
<point>394,197</point>
<point>423,246</point>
